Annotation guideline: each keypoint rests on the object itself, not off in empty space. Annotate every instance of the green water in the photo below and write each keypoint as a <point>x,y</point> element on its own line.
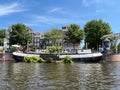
<point>76,76</point>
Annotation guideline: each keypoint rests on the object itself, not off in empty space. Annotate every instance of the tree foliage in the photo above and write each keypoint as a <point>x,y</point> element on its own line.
<point>118,46</point>
<point>94,30</point>
<point>54,35</point>
<point>53,49</point>
<point>74,34</point>
<point>2,36</point>
<point>19,35</point>
<point>47,36</point>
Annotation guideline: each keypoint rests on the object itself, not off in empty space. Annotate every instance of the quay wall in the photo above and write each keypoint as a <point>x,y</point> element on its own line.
<point>6,57</point>
<point>113,57</point>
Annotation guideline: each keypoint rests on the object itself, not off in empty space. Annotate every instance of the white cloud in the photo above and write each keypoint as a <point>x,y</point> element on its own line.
<point>31,24</point>
<point>88,3</point>
<point>100,11</point>
<point>56,10</point>
<point>45,21</point>
<point>51,21</point>
<point>11,8</point>
<point>48,19</point>
<point>64,12</point>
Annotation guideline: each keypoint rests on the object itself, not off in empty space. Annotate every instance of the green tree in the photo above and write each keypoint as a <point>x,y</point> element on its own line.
<point>47,36</point>
<point>19,35</point>
<point>74,35</point>
<point>2,36</point>
<point>54,35</point>
<point>94,30</point>
<point>118,46</point>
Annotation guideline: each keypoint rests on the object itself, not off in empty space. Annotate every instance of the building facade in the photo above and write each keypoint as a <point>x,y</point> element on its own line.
<point>32,33</point>
<point>39,41</point>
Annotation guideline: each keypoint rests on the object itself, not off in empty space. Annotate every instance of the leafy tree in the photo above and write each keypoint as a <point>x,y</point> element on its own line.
<point>94,30</point>
<point>113,47</point>
<point>2,36</point>
<point>19,35</point>
<point>54,35</point>
<point>74,35</point>
<point>47,36</point>
<point>118,46</point>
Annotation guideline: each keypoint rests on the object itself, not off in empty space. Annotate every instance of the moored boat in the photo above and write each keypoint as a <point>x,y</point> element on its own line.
<point>19,57</point>
<point>84,56</point>
<point>81,55</point>
<point>92,57</point>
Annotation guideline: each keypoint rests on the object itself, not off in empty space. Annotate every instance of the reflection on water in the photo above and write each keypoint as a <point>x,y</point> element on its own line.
<point>76,76</point>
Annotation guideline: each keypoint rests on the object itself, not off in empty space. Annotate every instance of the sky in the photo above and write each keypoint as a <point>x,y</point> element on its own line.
<point>43,15</point>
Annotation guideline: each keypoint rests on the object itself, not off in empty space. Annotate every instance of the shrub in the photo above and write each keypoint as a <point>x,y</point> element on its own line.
<point>67,59</point>
<point>58,49</point>
<point>13,49</point>
<point>52,49</point>
<point>40,60</point>
<point>33,59</point>
<point>113,48</point>
<point>49,60</point>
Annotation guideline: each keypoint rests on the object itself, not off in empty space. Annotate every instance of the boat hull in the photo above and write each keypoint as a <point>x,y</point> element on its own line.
<point>91,57</point>
<point>19,57</point>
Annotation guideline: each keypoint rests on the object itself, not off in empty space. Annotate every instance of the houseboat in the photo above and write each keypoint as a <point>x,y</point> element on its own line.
<point>84,55</point>
<point>80,55</point>
<point>19,57</point>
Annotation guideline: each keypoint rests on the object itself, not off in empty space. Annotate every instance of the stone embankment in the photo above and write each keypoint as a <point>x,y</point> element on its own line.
<point>113,57</point>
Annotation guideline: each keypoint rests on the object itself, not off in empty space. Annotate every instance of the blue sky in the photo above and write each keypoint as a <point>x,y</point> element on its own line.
<point>43,15</point>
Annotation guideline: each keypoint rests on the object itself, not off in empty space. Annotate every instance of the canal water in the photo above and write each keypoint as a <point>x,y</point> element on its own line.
<point>76,76</point>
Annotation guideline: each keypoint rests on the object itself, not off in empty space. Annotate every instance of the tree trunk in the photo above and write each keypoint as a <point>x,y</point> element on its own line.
<point>74,46</point>
<point>24,49</point>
